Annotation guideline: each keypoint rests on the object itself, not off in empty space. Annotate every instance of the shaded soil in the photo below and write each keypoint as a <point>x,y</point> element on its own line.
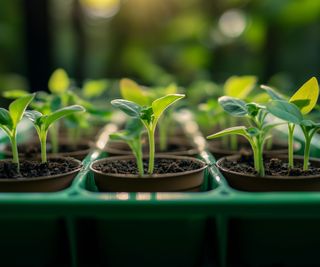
<point>32,169</point>
<point>32,150</point>
<point>273,167</point>
<point>161,166</point>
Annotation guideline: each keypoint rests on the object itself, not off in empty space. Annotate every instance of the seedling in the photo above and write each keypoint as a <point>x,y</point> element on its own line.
<point>9,120</point>
<point>131,91</point>
<point>132,136</point>
<point>42,123</point>
<point>149,116</point>
<point>293,111</point>
<point>256,134</point>
<point>237,87</point>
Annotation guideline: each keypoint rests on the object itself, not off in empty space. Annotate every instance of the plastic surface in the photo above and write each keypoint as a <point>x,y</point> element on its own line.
<point>219,226</point>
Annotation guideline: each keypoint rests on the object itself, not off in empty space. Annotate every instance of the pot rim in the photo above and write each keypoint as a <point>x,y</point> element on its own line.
<point>31,179</point>
<point>268,177</point>
<point>148,177</point>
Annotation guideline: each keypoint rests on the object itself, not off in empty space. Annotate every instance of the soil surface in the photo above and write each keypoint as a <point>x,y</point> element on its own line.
<point>273,167</point>
<point>32,150</point>
<point>161,166</point>
<point>30,169</point>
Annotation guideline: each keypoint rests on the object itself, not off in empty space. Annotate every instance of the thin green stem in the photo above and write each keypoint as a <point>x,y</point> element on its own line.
<point>258,157</point>
<point>290,144</point>
<point>15,154</point>
<point>43,142</point>
<point>137,151</point>
<point>306,153</point>
<point>151,131</point>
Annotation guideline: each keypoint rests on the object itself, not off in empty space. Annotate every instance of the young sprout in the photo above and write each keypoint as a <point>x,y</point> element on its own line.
<point>9,120</point>
<point>149,116</point>
<point>131,91</point>
<point>256,134</point>
<point>42,123</point>
<point>132,136</point>
<point>304,101</point>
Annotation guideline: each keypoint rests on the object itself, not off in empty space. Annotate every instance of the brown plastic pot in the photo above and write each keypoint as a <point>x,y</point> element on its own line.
<point>278,148</point>
<point>252,183</point>
<point>118,148</point>
<point>171,182</point>
<point>77,154</point>
<point>51,183</point>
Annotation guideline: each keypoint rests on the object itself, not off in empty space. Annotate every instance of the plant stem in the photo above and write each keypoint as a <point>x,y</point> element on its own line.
<point>15,154</point>
<point>306,153</point>
<point>151,131</point>
<point>137,151</point>
<point>258,157</point>
<point>43,141</point>
<point>290,144</point>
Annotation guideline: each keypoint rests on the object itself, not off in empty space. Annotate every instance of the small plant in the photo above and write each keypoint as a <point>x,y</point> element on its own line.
<point>256,134</point>
<point>132,136</point>
<point>149,116</point>
<point>9,120</point>
<point>42,123</point>
<point>131,91</point>
<point>293,112</point>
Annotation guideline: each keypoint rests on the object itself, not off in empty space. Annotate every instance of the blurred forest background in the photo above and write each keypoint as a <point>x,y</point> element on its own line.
<point>159,41</point>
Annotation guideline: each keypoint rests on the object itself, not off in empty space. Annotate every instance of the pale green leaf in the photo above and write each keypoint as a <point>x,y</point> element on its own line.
<point>131,91</point>
<point>59,82</point>
<point>18,107</point>
<point>235,107</point>
<point>94,88</point>
<point>239,86</point>
<point>238,130</point>
<point>161,104</point>
<point>308,91</point>
<point>285,111</point>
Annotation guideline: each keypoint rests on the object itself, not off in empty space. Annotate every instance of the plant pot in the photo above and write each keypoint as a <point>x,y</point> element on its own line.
<point>168,182</point>
<point>181,147</point>
<point>32,150</point>
<point>252,183</point>
<point>217,149</point>
<point>50,183</point>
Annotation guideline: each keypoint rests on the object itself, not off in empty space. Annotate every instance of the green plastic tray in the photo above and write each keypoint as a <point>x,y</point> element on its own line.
<point>216,227</point>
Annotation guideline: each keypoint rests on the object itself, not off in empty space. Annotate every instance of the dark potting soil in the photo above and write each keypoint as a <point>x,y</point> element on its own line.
<point>273,167</point>
<point>161,166</point>
<point>30,150</point>
<point>29,168</point>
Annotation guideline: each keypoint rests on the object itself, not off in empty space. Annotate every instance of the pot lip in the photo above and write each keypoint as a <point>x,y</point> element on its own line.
<point>268,177</point>
<point>148,177</point>
<point>40,178</point>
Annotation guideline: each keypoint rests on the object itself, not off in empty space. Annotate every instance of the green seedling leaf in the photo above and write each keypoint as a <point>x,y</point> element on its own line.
<point>239,130</point>
<point>285,111</point>
<point>253,109</point>
<point>5,118</point>
<point>18,107</point>
<point>235,107</point>
<point>308,91</point>
<point>147,115</point>
<point>130,108</point>
<point>161,104</point>
<point>272,92</point>
<point>59,82</point>
<point>94,88</point>
<point>131,91</point>
<point>33,115</point>
<point>133,130</point>
<point>13,94</point>
<point>60,113</point>
<point>239,86</point>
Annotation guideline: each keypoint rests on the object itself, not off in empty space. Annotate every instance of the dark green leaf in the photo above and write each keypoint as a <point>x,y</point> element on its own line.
<point>130,108</point>
<point>5,118</point>
<point>146,114</point>
<point>285,111</point>
<point>233,106</point>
